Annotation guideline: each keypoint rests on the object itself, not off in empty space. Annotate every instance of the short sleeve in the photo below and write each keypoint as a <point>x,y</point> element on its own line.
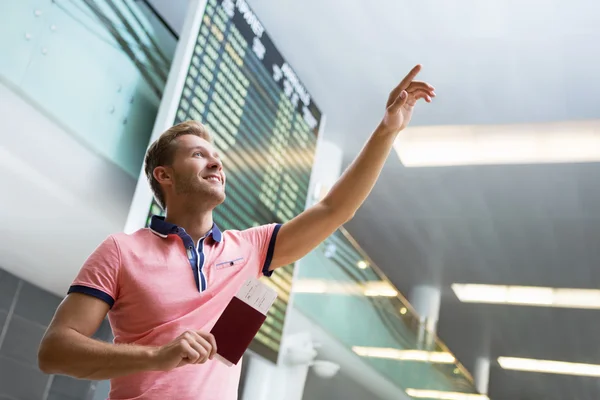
<point>263,239</point>
<point>99,274</point>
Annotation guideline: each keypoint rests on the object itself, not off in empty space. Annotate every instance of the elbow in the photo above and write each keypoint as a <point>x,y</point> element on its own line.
<point>349,218</point>
<point>48,360</point>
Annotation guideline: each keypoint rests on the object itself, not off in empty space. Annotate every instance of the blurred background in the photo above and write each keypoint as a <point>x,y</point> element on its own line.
<point>470,273</point>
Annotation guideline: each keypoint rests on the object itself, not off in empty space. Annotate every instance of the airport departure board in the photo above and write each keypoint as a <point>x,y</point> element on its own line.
<point>265,126</point>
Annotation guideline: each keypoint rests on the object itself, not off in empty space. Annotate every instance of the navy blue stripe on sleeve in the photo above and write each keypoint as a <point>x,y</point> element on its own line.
<point>93,292</point>
<point>265,269</point>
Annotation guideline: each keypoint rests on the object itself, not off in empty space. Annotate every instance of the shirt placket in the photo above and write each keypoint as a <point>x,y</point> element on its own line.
<point>200,252</point>
<point>196,257</point>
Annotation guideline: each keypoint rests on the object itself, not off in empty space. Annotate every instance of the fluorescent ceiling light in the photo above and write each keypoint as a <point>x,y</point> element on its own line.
<point>379,289</point>
<point>436,394</point>
<point>362,264</point>
<point>504,144</point>
<point>549,367</point>
<point>405,355</point>
<point>368,289</point>
<point>528,295</point>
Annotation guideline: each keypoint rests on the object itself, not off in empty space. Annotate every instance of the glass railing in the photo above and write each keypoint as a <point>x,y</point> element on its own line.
<point>343,291</point>
<point>96,67</point>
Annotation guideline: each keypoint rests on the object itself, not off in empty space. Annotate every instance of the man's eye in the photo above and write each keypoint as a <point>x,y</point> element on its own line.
<point>197,154</point>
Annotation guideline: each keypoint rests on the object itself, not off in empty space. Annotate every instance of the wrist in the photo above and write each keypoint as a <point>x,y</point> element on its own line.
<point>386,130</point>
<point>150,358</point>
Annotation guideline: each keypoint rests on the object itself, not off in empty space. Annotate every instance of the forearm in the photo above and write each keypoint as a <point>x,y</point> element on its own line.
<point>67,352</point>
<point>357,181</point>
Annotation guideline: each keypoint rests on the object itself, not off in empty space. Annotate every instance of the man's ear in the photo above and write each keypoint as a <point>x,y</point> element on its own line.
<point>164,175</point>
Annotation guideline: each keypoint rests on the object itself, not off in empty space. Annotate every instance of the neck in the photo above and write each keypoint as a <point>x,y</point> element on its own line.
<point>196,222</point>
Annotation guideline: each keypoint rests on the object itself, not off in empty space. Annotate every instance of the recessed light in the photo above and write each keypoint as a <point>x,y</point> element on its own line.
<point>549,366</point>
<point>528,295</point>
<point>368,289</point>
<point>435,357</point>
<point>499,144</point>
<point>441,395</point>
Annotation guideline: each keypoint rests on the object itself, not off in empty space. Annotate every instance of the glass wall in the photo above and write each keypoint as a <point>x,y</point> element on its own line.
<point>340,289</point>
<point>97,67</point>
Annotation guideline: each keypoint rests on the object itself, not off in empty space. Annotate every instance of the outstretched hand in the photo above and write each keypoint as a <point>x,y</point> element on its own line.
<point>402,100</point>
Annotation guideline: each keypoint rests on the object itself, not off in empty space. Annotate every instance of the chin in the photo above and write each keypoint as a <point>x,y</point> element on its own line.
<point>218,196</point>
<point>222,198</point>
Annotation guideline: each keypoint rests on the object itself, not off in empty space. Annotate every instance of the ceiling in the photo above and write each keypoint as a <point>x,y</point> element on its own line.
<point>494,62</point>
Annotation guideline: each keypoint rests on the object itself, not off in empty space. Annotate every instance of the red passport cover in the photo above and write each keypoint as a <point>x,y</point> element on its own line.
<point>236,328</point>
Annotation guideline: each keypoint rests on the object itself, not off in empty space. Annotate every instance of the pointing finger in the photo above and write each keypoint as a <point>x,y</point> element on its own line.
<point>403,85</point>
<point>410,76</point>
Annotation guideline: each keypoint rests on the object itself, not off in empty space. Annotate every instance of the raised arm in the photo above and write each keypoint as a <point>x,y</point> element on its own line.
<point>68,349</point>
<point>306,231</point>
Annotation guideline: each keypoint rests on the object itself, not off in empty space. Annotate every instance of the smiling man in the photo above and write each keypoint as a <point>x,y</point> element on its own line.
<point>164,287</point>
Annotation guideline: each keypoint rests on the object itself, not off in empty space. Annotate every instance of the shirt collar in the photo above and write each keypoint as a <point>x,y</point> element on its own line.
<point>163,228</point>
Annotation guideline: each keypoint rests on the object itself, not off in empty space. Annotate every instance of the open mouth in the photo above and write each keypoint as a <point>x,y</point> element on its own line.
<point>213,178</point>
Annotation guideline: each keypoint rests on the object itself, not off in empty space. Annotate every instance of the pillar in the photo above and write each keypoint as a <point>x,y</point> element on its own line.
<point>327,168</point>
<point>285,380</point>
<point>481,366</point>
<point>426,300</point>
<point>481,374</point>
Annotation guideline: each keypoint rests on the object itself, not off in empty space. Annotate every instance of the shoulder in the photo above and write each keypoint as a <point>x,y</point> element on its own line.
<point>142,234</point>
<point>140,238</point>
<point>250,231</point>
<point>254,234</point>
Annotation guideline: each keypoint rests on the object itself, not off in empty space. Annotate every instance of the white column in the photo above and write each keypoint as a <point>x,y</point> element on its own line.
<point>327,168</point>
<point>267,381</point>
<point>481,367</point>
<point>481,374</point>
<point>167,110</point>
<point>426,302</point>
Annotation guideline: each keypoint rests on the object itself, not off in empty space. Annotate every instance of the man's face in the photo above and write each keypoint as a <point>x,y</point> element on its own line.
<point>197,170</point>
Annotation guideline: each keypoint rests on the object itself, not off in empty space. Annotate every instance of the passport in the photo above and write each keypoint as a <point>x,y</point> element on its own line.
<point>241,320</point>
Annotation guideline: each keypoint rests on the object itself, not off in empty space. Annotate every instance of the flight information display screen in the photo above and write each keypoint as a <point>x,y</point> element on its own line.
<point>265,126</point>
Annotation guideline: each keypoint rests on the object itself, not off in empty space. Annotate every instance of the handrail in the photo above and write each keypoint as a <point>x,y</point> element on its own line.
<point>403,299</point>
<point>358,305</point>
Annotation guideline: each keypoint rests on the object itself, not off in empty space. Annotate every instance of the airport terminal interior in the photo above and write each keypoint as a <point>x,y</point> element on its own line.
<point>469,273</point>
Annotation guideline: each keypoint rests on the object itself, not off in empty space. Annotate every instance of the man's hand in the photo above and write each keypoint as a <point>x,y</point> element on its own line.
<point>191,347</point>
<point>402,100</point>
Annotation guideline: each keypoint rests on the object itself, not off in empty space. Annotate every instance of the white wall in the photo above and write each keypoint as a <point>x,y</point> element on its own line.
<point>58,199</point>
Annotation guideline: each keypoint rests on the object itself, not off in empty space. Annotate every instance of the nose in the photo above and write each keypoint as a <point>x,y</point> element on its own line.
<point>215,162</point>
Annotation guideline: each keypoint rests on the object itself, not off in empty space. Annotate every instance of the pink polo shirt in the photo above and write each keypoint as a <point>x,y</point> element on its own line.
<point>160,284</point>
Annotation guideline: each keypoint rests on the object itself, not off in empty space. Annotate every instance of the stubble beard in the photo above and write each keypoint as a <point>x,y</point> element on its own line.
<point>198,191</point>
